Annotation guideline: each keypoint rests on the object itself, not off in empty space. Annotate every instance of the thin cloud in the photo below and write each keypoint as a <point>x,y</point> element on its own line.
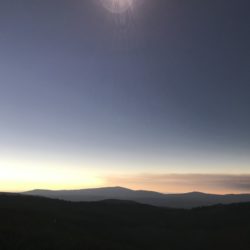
<point>211,183</point>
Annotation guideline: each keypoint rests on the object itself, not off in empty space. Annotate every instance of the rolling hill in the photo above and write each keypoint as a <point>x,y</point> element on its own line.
<point>36,223</point>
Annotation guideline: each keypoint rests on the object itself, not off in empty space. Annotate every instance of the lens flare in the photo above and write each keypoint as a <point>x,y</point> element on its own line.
<point>118,6</point>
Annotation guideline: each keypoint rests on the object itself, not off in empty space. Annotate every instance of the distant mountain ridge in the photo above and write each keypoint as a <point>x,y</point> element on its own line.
<point>184,200</point>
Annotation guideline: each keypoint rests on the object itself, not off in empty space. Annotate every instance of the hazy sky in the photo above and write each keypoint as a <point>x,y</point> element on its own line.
<point>91,97</point>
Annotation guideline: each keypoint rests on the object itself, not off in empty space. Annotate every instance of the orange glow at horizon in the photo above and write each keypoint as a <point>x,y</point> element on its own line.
<point>26,178</point>
<point>22,171</point>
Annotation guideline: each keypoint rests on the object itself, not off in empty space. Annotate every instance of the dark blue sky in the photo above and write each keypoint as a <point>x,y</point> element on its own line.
<point>160,88</point>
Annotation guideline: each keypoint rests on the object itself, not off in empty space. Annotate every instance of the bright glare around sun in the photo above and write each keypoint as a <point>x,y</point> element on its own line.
<point>117,6</point>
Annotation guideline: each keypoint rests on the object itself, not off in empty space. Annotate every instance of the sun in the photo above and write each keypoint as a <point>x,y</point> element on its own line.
<point>118,6</point>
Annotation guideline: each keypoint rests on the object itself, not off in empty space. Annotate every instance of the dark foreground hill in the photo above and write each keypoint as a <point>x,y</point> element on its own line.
<point>33,223</point>
<point>186,200</point>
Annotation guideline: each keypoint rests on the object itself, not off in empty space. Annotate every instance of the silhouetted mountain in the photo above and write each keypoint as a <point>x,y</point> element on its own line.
<point>36,223</point>
<point>186,200</point>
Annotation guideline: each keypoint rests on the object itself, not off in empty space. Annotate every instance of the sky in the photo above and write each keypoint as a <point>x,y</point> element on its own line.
<point>137,93</point>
